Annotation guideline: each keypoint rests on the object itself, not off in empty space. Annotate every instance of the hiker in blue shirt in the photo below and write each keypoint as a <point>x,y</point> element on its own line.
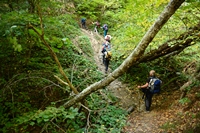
<point>105,29</point>
<point>83,23</point>
<point>106,50</point>
<point>146,90</point>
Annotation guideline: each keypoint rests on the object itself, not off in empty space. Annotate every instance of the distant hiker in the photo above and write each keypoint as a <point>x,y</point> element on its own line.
<point>148,89</point>
<point>108,37</point>
<point>105,29</point>
<point>106,50</point>
<point>83,23</point>
<point>97,26</point>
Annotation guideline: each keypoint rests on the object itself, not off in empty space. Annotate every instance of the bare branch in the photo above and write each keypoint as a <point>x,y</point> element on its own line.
<point>58,127</point>
<point>88,118</point>
<point>61,80</point>
<point>41,20</point>
<point>7,86</point>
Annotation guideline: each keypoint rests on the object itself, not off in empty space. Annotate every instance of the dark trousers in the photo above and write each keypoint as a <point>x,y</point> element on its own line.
<point>104,59</point>
<point>148,100</point>
<point>83,25</point>
<point>106,62</point>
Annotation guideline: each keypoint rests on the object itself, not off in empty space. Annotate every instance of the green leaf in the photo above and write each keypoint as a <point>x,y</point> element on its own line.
<point>46,120</point>
<point>32,123</point>
<point>39,120</point>
<point>45,116</point>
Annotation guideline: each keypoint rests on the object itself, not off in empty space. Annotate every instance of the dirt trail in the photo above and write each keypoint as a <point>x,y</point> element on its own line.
<point>121,91</point>
<point>138,121</point>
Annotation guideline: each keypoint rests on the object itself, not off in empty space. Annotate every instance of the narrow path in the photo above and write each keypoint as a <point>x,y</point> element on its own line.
<point>138,121</point>
<point>117,88</point>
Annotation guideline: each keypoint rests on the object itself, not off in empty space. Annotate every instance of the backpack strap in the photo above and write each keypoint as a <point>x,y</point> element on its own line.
<point>151,80</point>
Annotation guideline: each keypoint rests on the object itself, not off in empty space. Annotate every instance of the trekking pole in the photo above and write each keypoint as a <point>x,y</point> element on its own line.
<point>138,100</point>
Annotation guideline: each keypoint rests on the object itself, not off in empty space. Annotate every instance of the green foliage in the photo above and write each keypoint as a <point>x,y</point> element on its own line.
<point>133,21</point>
<point>184,100</point>
<point>168,125</point>
<point>27,68</point>
<point>105,117</point>
<point>111,119</point>
<point>50,116</point>
<point>84,44</point>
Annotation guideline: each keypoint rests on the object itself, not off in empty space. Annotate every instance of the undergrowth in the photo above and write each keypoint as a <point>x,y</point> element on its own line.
<point>31,98</point>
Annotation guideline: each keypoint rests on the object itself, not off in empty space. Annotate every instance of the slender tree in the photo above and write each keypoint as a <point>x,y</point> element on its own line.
<point>41,36</point>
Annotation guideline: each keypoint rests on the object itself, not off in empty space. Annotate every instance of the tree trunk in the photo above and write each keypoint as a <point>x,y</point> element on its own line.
<point>41,36</point>
<point>175,45</point>
<point>195,77</point>
<point>134,56</point>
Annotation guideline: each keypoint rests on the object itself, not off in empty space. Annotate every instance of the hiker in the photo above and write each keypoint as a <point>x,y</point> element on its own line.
<point>146,90</point>
<point>83,23</point>
<point>108,37</point>
<point>97,26</point>
<point>106,50</point>
<point>105,29</point>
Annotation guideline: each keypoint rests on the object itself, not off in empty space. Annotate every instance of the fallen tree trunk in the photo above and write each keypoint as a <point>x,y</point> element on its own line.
<point>134,56</point>
<point>175,45</point>
<point>183,88</point>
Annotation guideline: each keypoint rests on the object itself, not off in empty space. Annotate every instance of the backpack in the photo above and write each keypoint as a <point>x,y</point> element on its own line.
<point>83,20</point>
<point>108,55</point>
<point>105,27</point>
<point>155,85</point>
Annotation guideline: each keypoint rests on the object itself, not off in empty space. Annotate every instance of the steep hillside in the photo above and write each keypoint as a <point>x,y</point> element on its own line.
<point>169,113</point>
<point>47,60</point>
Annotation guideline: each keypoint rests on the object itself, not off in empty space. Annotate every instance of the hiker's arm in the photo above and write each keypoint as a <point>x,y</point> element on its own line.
<point>144,86</point>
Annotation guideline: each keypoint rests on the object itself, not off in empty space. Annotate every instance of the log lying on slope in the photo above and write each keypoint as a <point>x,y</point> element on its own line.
<point>175,45</point>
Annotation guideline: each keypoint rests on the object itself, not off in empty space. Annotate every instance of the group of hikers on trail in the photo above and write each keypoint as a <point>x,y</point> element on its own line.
<point>152,85</point>
<point>97,26</point>
<point>106,46</point>
<point>106,49</point>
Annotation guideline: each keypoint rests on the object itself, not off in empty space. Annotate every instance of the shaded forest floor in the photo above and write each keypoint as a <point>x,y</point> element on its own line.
<point>167,113</point>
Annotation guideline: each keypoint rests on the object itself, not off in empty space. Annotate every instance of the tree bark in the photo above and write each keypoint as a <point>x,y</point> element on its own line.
<point>134,56</point>
<point>175,45</point>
